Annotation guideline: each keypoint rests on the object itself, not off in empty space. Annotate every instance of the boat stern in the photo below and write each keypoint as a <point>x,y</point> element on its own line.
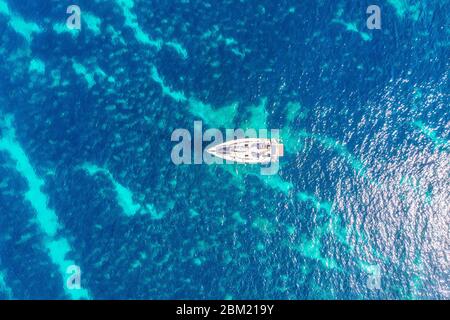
<point>280,150</point>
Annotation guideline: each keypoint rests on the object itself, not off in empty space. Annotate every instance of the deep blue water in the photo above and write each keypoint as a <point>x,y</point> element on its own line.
<point>86,176</point>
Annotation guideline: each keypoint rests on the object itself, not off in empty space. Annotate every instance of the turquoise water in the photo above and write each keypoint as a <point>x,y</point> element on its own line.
<point>358,210</point>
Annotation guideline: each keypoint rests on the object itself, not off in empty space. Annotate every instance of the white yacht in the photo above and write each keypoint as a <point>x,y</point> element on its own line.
<point>249,150</point>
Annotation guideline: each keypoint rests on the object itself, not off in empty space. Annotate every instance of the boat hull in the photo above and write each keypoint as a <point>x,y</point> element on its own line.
<point>249,150</point>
